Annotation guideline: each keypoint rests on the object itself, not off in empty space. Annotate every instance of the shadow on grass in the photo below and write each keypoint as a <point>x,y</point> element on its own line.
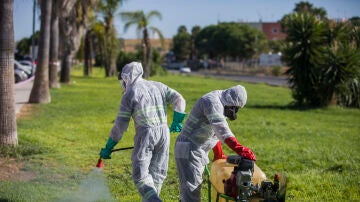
<point>336,168</point>
<point>291,106</point>
<point>21,151</point>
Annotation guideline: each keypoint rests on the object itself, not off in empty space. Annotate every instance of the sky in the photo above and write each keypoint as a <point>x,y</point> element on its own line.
<point>192,13</point>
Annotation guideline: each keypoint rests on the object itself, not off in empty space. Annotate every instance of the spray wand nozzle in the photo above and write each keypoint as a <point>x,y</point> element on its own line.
<point>100,163</point>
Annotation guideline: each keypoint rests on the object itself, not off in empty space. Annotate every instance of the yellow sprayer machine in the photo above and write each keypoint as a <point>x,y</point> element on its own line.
<point>241,180</point>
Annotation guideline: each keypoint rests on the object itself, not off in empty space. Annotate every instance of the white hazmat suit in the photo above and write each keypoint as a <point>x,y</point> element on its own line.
<point>146,102</point>
<point>204,127</point>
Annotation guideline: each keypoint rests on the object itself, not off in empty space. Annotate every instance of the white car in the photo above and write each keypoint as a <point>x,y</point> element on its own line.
<point>27,69</point>
<point>19,74</point>
<point>185,70</point>
<point>29,64</point>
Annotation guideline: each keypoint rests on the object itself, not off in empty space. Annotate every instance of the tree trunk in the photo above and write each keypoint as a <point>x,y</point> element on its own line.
<point>65,68</point>
<point>146,54</point>
<point>8,128</point>
<point>110,59</point>
<point>70,34</point>
<point>148,60</point>
<point>113,66</point>
<point>54,47</point>
<point>40,92</point>
<point>88,54</point>
<point>70,47</point>
<point>107,64</point>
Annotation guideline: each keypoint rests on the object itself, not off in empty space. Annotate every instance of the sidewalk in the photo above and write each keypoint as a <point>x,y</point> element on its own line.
<point>22,92</point>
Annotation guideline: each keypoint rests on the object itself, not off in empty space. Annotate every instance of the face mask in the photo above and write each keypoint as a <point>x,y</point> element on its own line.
<point>230,112</point>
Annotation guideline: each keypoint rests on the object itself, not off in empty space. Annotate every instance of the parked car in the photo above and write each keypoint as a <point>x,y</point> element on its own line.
<point>27,69</point>
<point>19,74</point>
<point>185,70</point>
<point>29,64</point>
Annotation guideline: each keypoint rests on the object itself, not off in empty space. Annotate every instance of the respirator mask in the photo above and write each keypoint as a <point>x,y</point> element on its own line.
<point>230,112</point>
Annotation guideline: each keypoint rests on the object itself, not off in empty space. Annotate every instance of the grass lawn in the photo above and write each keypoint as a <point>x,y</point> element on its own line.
<point>318,149</point>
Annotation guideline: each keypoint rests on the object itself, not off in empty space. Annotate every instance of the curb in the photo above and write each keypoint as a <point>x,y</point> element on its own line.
<point>24,82</point>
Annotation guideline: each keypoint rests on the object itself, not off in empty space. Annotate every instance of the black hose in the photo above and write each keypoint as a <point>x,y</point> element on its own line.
<point>125,148</point>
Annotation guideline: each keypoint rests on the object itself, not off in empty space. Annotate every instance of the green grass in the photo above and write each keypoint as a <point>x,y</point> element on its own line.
<point>318,149</point>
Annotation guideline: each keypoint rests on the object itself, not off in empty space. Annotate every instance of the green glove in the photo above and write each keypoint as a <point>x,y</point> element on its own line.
<point>106,152</point>
<point>176,124</point>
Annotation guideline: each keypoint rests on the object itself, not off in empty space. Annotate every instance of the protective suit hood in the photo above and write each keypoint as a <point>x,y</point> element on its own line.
<point>234,96</point>
<point>131,73</point>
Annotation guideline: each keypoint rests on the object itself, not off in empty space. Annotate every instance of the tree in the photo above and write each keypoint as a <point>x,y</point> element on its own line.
<point>355,21</point>
<point>88,42</point>
<point>40,92</point>
<point>8,128</point>
<point>23,46</point>
<point>228,39</point>
<point>54,62</point>
<point>341,72</point>
<point>194,32</point>
<point>142,23</point>
<point>306,7</point>
<point>72,22</point>
<point>182,44</point>
<point>98,29</point>
<point>323,58</point>
<point>88,48</point>
<point>111,45</point>
<point>304,53</point>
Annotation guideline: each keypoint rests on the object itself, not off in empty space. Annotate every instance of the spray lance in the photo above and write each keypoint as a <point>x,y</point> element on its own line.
<point>100,164</point>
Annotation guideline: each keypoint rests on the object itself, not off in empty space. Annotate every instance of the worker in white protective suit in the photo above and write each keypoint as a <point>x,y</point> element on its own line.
<point>146,102</point>
<point>205,129</point>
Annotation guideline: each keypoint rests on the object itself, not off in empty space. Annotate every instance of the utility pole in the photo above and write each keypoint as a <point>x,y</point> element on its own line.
<point>33,33</point>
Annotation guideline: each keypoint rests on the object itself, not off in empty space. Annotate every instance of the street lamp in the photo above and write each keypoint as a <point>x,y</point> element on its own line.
<point>33,33</point>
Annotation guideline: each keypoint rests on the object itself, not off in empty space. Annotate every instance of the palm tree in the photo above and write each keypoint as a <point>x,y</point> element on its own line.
<point>88,42</point>
<point>40,92</point>
<point>72,24</point>
<point>8,128</point>
<point>88,48</point>
<point>142,23</point>
<point>306,7</point>
<point>108,9</point>
<point>304,55</point>
<point>341,72</point>
<point>54,46</point>
<point>89,8</point>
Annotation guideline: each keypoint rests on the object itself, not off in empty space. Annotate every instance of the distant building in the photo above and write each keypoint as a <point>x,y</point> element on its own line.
<point>270,59</point>
<point>271,30</point>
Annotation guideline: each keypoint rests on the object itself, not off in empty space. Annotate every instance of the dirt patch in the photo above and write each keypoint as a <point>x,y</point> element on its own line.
<point>12,170</point>
<point>25,111</point>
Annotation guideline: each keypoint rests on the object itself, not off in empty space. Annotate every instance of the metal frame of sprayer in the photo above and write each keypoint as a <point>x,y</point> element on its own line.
<point>246,190</point>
